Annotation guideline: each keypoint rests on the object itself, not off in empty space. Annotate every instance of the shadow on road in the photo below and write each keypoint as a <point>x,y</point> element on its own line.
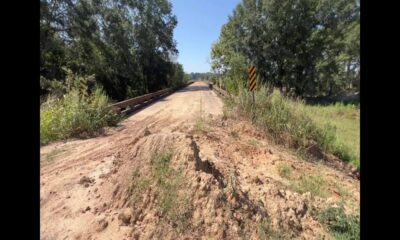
<point>144,105</point>
<point>151,102</point>
<point>192,88</point>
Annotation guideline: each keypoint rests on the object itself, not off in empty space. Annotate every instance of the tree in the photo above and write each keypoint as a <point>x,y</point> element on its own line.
<point>311,46</point>
<point>126,44</point>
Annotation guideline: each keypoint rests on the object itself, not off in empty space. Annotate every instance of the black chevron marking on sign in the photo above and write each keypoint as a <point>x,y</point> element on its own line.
<point>253,85</point>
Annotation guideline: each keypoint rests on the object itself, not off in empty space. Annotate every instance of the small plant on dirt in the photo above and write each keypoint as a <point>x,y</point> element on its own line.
<point>256,143</point>
<point>200,125</point>
<point>50,156</point>
<point>160,164</point>
<point>138,186</point>
<point>313,183</point>
<point>263,229</point>
<point>266,232</point>
<point>231,188</point>
<point>235,134</point>
<point>285,171</point>
<point>340,225</point>
<point>173,203</point>
<point>341,190</point>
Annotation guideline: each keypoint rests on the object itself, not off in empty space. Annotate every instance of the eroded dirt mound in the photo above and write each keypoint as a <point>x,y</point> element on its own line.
<point>220,184</point>
<point>208,179</point>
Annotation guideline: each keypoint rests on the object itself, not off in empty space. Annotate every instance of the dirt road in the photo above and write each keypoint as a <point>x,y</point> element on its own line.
<point>64,164</point>
<point>223,181</point>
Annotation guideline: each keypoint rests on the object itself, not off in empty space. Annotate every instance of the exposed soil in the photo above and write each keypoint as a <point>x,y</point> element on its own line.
<point>229,179</point>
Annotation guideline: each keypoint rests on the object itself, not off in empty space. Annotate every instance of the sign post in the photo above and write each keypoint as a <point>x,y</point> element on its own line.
<point>84,87</point>
<point>252,86</point>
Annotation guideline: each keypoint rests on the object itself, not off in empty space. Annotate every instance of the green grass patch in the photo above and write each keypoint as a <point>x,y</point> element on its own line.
<point>313,183</point>
<point>169,185</point>
<point>256,143</point>
<point>341,190</point>
<point>73,115</point>
<point>346,120</point>
<point>139,185</point>
<point>285,171</point>
<point>340,225</point>
<point>200,125</point>
<point>266,232</point>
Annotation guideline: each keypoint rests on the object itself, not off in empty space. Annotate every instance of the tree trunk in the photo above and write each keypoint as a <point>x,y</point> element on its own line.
<point>330,88</point>
<point>348,75</point>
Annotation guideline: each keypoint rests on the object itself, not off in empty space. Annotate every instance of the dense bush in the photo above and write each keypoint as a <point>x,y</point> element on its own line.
<point>73,115</point>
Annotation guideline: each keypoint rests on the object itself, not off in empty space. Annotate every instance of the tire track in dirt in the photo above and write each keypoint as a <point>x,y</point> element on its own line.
<point>229,171</point>
<point>67,207</point>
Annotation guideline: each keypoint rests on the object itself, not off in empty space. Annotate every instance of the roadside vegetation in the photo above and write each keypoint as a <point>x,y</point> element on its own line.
<point>313,183</point>
<point>333,129</point>
<point>301,50</point>
<point>338,223</point>
<point>346,120</point>
<point>122,50</point>
<point>74,114</point>
<point>128,46</point>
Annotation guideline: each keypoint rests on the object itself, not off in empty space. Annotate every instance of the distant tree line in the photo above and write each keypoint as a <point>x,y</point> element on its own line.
<point>127,46</point>
<point>200,76</point>
<point>309,46</point>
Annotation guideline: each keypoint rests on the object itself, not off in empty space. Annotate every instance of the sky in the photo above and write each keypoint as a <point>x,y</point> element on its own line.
<point>199,25</point>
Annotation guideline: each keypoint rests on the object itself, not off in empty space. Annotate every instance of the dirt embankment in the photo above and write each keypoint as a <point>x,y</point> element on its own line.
<point>167,173</point>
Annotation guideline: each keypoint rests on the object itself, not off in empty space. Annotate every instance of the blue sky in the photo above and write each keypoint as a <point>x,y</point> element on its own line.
<point>199,25</point>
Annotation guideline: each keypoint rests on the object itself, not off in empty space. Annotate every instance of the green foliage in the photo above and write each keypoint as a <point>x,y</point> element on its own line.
<point>290,122</point>
<point>73,115</point>
<point>140,184</point>
<point>200,76</point>
<point>174,205</point>
<point>200,125</point>
<point>127,45</point>
<point>177,77</point>
<point>256,143</point>
<point>160,163</point>
<point>57,88</point>
<point>346,119</point>
<point>285,171</point>
<point>313,183</point>
<point>310,46</point>
<point>266,232</point>
<point>342,226</point>
<point>279,116</point>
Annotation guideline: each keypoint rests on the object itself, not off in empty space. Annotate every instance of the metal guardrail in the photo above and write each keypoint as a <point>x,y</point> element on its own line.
<point>144,98</point>
<point>218,90</point>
